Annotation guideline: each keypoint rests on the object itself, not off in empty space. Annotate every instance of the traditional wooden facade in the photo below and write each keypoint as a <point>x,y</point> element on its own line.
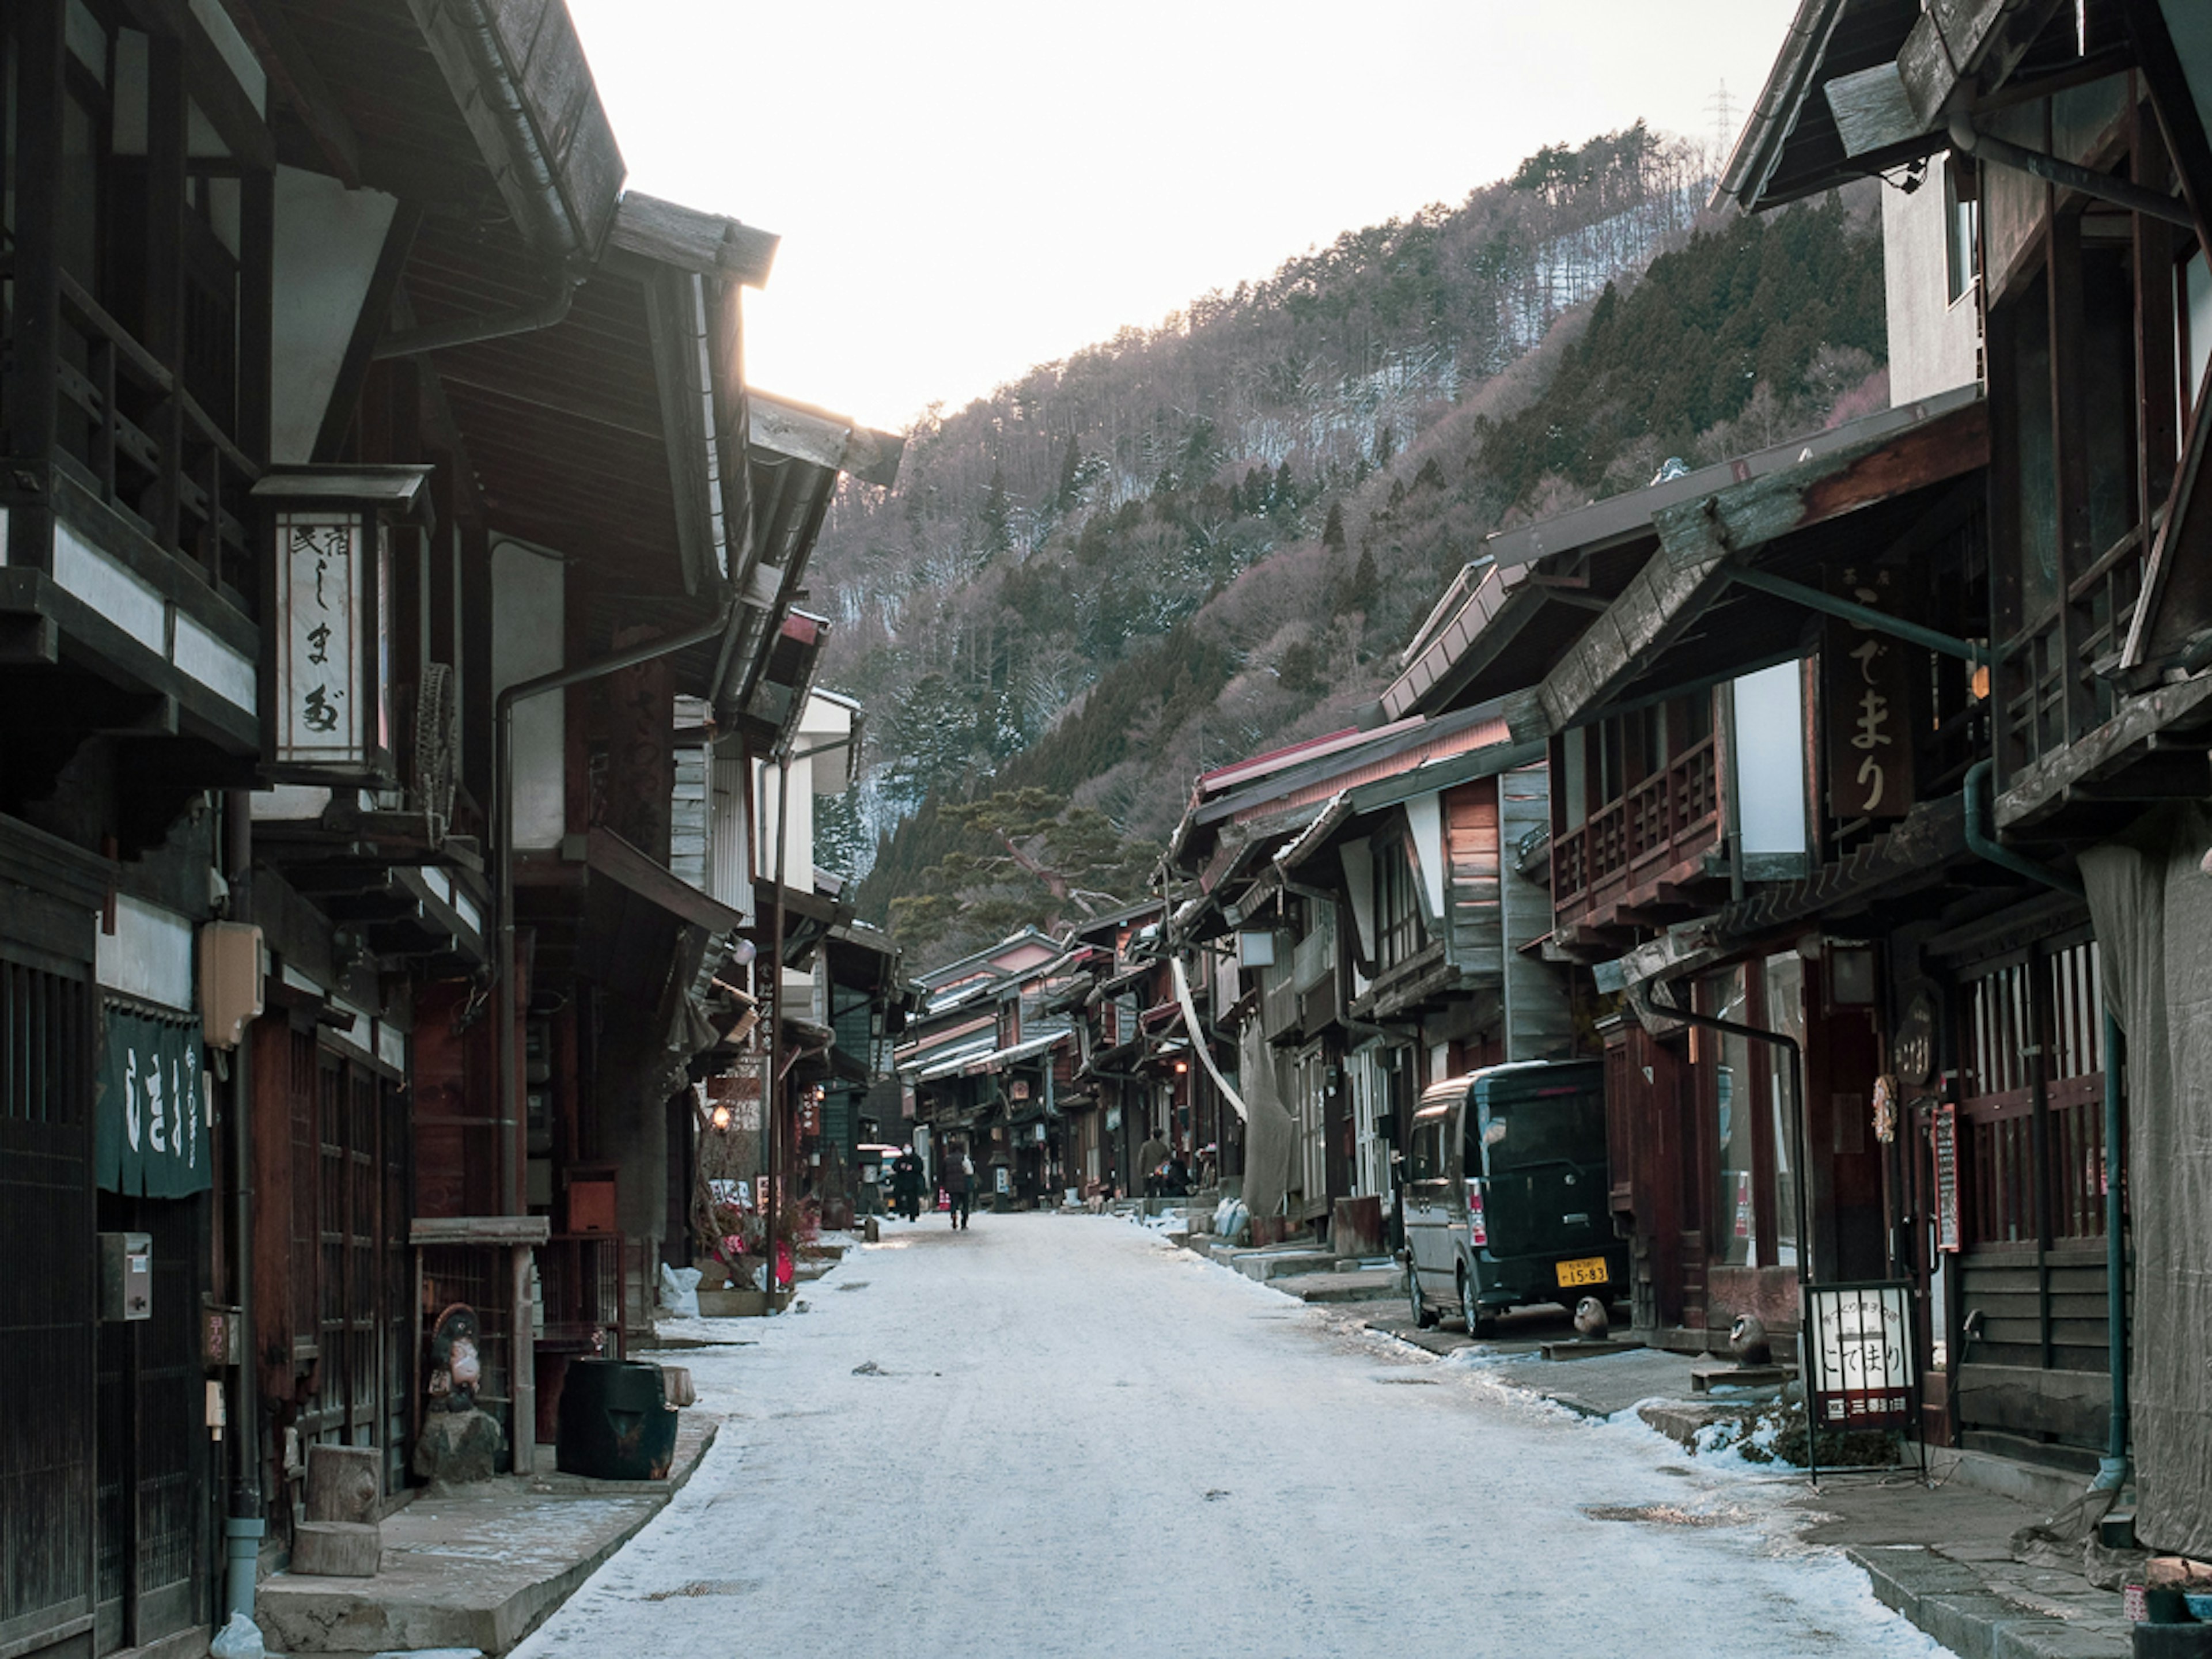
<point>2070,231</point>
<point>345,391</point>
<point>1359,905</point>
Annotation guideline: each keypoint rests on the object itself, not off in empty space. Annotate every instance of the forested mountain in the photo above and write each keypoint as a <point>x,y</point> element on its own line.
<point>1196,541</point>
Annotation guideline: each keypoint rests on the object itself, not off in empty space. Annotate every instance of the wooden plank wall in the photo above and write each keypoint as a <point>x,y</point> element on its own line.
<point>1474,926</point>
<point>688,830</point>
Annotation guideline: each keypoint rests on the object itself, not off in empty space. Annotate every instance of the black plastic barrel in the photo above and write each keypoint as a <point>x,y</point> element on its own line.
<point>616,1421</point>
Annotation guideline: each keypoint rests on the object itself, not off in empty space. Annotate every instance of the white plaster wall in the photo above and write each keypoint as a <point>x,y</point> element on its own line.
<point>1934,341</point>
<point>328,239</point>
<point>149,956</point>
<point>529,626</point>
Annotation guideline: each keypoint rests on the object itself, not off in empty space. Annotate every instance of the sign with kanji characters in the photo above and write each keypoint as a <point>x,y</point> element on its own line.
<point>1860,1372</point>
<point>153,1117</point>
<point>332,644</point>
<point>318,577</point>
<point>1867,681</point>
<point>1944,1131</point>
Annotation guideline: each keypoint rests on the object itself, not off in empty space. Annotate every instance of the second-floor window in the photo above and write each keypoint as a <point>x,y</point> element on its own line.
<point>1397,904</point>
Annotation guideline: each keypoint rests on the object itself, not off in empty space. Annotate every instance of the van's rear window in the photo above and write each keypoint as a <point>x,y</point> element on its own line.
<point>1556,1125</point>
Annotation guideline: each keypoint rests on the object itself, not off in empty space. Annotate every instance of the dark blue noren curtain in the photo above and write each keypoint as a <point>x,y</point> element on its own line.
<point>152,1113</point>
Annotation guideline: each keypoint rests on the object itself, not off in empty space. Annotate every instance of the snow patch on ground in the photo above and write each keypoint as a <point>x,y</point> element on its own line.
<point>1041,1438</point>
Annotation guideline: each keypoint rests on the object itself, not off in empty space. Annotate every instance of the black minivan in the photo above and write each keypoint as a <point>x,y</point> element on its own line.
<point>1505,1193</point>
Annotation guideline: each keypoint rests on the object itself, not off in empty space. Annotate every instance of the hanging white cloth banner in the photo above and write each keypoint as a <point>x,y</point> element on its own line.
<point>1198,1042</point>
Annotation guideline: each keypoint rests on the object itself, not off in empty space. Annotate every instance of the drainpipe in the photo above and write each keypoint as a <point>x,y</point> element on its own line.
<point>2113,1466</point>
<point>511,1201</point>
<point>243,1527</point>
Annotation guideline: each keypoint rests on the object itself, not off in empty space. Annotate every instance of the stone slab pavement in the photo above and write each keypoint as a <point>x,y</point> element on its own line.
<point>477,1570</point>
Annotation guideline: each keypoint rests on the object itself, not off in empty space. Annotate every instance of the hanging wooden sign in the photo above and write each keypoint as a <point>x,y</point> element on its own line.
<point>1866,697</point>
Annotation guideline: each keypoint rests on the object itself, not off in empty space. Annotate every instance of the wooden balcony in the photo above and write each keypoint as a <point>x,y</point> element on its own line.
<point>129,546</point>
<point>1633,854</point>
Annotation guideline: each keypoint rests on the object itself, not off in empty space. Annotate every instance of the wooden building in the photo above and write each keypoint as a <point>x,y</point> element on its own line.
<point>2069,232</point>
<point>347,392</point>
<point>1358,906</point>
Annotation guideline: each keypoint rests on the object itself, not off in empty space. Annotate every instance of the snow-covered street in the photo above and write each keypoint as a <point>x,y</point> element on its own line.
<point>1060,1435</point>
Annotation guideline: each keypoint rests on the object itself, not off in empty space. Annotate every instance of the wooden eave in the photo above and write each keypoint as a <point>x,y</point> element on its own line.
<point>2152,748</point>
<point>1680,622</point>
<point>706,243</point>
<point>509,137</point>
<point>1500,627</point>
<point>1791,148</point>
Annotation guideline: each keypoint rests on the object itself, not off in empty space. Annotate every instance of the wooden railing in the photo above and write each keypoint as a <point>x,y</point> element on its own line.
<point>1662,821</point>
<point>150,450</point>
<point>2053,675</point>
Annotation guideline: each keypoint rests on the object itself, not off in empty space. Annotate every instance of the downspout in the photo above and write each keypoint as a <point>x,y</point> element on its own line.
<point>243,1529</point>
<point>2113,1466</point>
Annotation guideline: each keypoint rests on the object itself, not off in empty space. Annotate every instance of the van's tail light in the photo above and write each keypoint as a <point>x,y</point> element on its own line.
<point>1478,1231</point>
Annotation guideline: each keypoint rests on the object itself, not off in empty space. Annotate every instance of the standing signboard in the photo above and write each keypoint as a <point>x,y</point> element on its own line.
<point>1859,1373</point>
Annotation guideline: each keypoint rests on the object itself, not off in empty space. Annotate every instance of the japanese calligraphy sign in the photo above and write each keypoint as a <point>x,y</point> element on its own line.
<point>333,643</point>
<point>319,570</point>
<point>152,1124</point>
<point>1867,688</point>
<point>1860,1373</point>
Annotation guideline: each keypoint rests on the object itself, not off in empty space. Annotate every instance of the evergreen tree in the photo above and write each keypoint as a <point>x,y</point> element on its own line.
<point>1366,586</point>
<point>1332,534</point>
<point>997,520</point>
<point>1068,475</point>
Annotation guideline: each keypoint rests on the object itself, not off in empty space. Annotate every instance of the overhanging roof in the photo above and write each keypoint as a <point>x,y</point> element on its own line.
<point>1507,618</point>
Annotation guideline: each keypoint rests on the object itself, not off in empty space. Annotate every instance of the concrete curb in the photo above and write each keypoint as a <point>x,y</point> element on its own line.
<point>1955,1605</point>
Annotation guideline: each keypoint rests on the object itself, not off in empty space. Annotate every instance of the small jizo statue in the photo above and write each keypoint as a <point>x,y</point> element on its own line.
<point>456,1372</point>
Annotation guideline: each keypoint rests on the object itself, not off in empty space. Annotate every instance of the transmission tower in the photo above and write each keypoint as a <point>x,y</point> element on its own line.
<point>1723,110</point>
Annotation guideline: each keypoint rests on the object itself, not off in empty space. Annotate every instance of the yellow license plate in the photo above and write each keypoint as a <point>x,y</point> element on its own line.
<point>1590,1270</point>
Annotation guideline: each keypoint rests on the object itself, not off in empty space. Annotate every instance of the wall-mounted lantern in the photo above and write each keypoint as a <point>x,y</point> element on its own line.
<point>328,697</point>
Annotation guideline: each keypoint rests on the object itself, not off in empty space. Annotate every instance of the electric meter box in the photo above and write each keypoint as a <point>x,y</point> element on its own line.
<point>126,1276</point>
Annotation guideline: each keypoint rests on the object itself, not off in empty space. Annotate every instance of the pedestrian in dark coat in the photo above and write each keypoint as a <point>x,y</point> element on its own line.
<point>957,1177</point>
<point>906,1184</point>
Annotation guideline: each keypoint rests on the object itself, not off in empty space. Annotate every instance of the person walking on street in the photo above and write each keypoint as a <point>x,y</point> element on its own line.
<point>958,1180</point>
<point>906,1184</point>
<point>1150,1156</point>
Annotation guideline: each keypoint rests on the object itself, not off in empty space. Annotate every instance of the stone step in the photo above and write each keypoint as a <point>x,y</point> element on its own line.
<point>1361,1285</point>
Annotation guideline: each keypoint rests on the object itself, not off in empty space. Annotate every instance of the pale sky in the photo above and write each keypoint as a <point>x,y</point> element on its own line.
<point>966,188</point>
